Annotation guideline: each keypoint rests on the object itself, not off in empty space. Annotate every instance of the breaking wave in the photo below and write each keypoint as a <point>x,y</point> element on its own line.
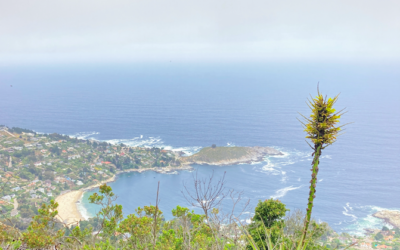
<point>85,135</point>
<point>282,192</point>
<point>82,210</point>
<point>139,141</point>
<point>361,218</point>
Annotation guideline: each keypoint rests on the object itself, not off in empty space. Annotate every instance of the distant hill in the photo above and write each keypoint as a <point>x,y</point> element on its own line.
<point>229,155</point>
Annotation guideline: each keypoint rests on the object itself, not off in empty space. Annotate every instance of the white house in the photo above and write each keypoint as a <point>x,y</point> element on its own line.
<point>7,198</point>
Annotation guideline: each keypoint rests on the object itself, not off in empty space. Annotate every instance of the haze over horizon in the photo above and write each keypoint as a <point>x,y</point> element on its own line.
<point>218,31</point>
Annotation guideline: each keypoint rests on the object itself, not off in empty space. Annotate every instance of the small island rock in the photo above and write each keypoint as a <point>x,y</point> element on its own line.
<point>221,156</point>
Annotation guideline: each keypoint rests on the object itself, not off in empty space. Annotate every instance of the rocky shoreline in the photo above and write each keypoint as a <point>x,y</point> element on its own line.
<point>391,217</point>
<point>249,155</point>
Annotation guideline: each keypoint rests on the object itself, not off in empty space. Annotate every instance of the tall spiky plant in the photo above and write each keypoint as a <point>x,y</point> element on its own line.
<point>321,128</point>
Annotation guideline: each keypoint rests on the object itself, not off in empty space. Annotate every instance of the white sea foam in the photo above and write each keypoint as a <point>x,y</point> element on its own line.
<point>348,205</point>
<point>255,163</point>
<point>284,154</point>
<point>350,215</point>
<point>358,224</point>
<point>374,209</point>
<point>269,168</point>
<point>290,162</point>
<point>175,172</point>
<point>187,150</point>
<point>149,142</point>
<point>284,177</point>
<point>282,192</point>
<point>347,210</point>
<point>83,211</point>
<point>85,135</point>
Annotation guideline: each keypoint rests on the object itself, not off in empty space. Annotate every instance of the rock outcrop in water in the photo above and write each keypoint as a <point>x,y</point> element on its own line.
<point>390,216</point>
<point>221,156</point>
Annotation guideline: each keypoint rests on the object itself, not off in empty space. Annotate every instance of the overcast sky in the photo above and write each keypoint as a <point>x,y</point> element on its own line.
<point>198,30</point>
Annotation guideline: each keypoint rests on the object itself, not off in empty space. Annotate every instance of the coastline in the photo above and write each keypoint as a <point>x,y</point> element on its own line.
<point>391,217</point>
<point>230,156</point>
<point>68,211</point>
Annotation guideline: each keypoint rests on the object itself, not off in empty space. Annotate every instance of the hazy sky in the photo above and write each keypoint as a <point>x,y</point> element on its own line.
<point>194,30</point>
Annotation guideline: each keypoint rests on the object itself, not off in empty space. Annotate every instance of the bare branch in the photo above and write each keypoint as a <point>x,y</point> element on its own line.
<point>208,193</point>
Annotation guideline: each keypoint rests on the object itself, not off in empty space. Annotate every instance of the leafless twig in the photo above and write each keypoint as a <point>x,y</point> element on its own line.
<point>208,193</point>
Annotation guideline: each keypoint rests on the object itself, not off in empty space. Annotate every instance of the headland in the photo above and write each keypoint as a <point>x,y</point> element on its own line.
<point>391,217</point>
<point>222,156</point>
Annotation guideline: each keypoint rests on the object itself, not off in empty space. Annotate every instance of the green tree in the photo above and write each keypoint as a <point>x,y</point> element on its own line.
<point>268,219</point>
<point>48,175</point>
<point>378,236</point>
<point>42,231</point>
<point>110,214</point>
<point>139,228</point>
<point>397,232</point>
<point>270,212</point>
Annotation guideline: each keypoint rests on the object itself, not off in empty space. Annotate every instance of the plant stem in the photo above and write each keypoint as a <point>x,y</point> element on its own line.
<point>311,197</point>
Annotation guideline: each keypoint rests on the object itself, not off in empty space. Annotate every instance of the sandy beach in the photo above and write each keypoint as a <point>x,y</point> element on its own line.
<point>67,210</point>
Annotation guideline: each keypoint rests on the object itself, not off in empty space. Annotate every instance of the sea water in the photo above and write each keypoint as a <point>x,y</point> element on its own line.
<point>189,106</point>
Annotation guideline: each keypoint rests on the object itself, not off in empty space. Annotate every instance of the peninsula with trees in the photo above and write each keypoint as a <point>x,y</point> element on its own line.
<point>222,156</point>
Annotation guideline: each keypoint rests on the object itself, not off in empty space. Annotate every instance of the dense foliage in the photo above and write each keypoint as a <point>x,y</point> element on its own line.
<point>147,228</point>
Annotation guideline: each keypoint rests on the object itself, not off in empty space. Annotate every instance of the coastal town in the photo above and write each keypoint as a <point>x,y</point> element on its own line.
<point>36,168</point>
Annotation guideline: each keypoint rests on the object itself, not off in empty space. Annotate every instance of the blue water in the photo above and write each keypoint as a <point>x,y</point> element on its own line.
<point>191,106</point>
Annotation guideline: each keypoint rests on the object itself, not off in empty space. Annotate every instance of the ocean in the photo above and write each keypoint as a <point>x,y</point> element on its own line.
<point>190,106</point>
